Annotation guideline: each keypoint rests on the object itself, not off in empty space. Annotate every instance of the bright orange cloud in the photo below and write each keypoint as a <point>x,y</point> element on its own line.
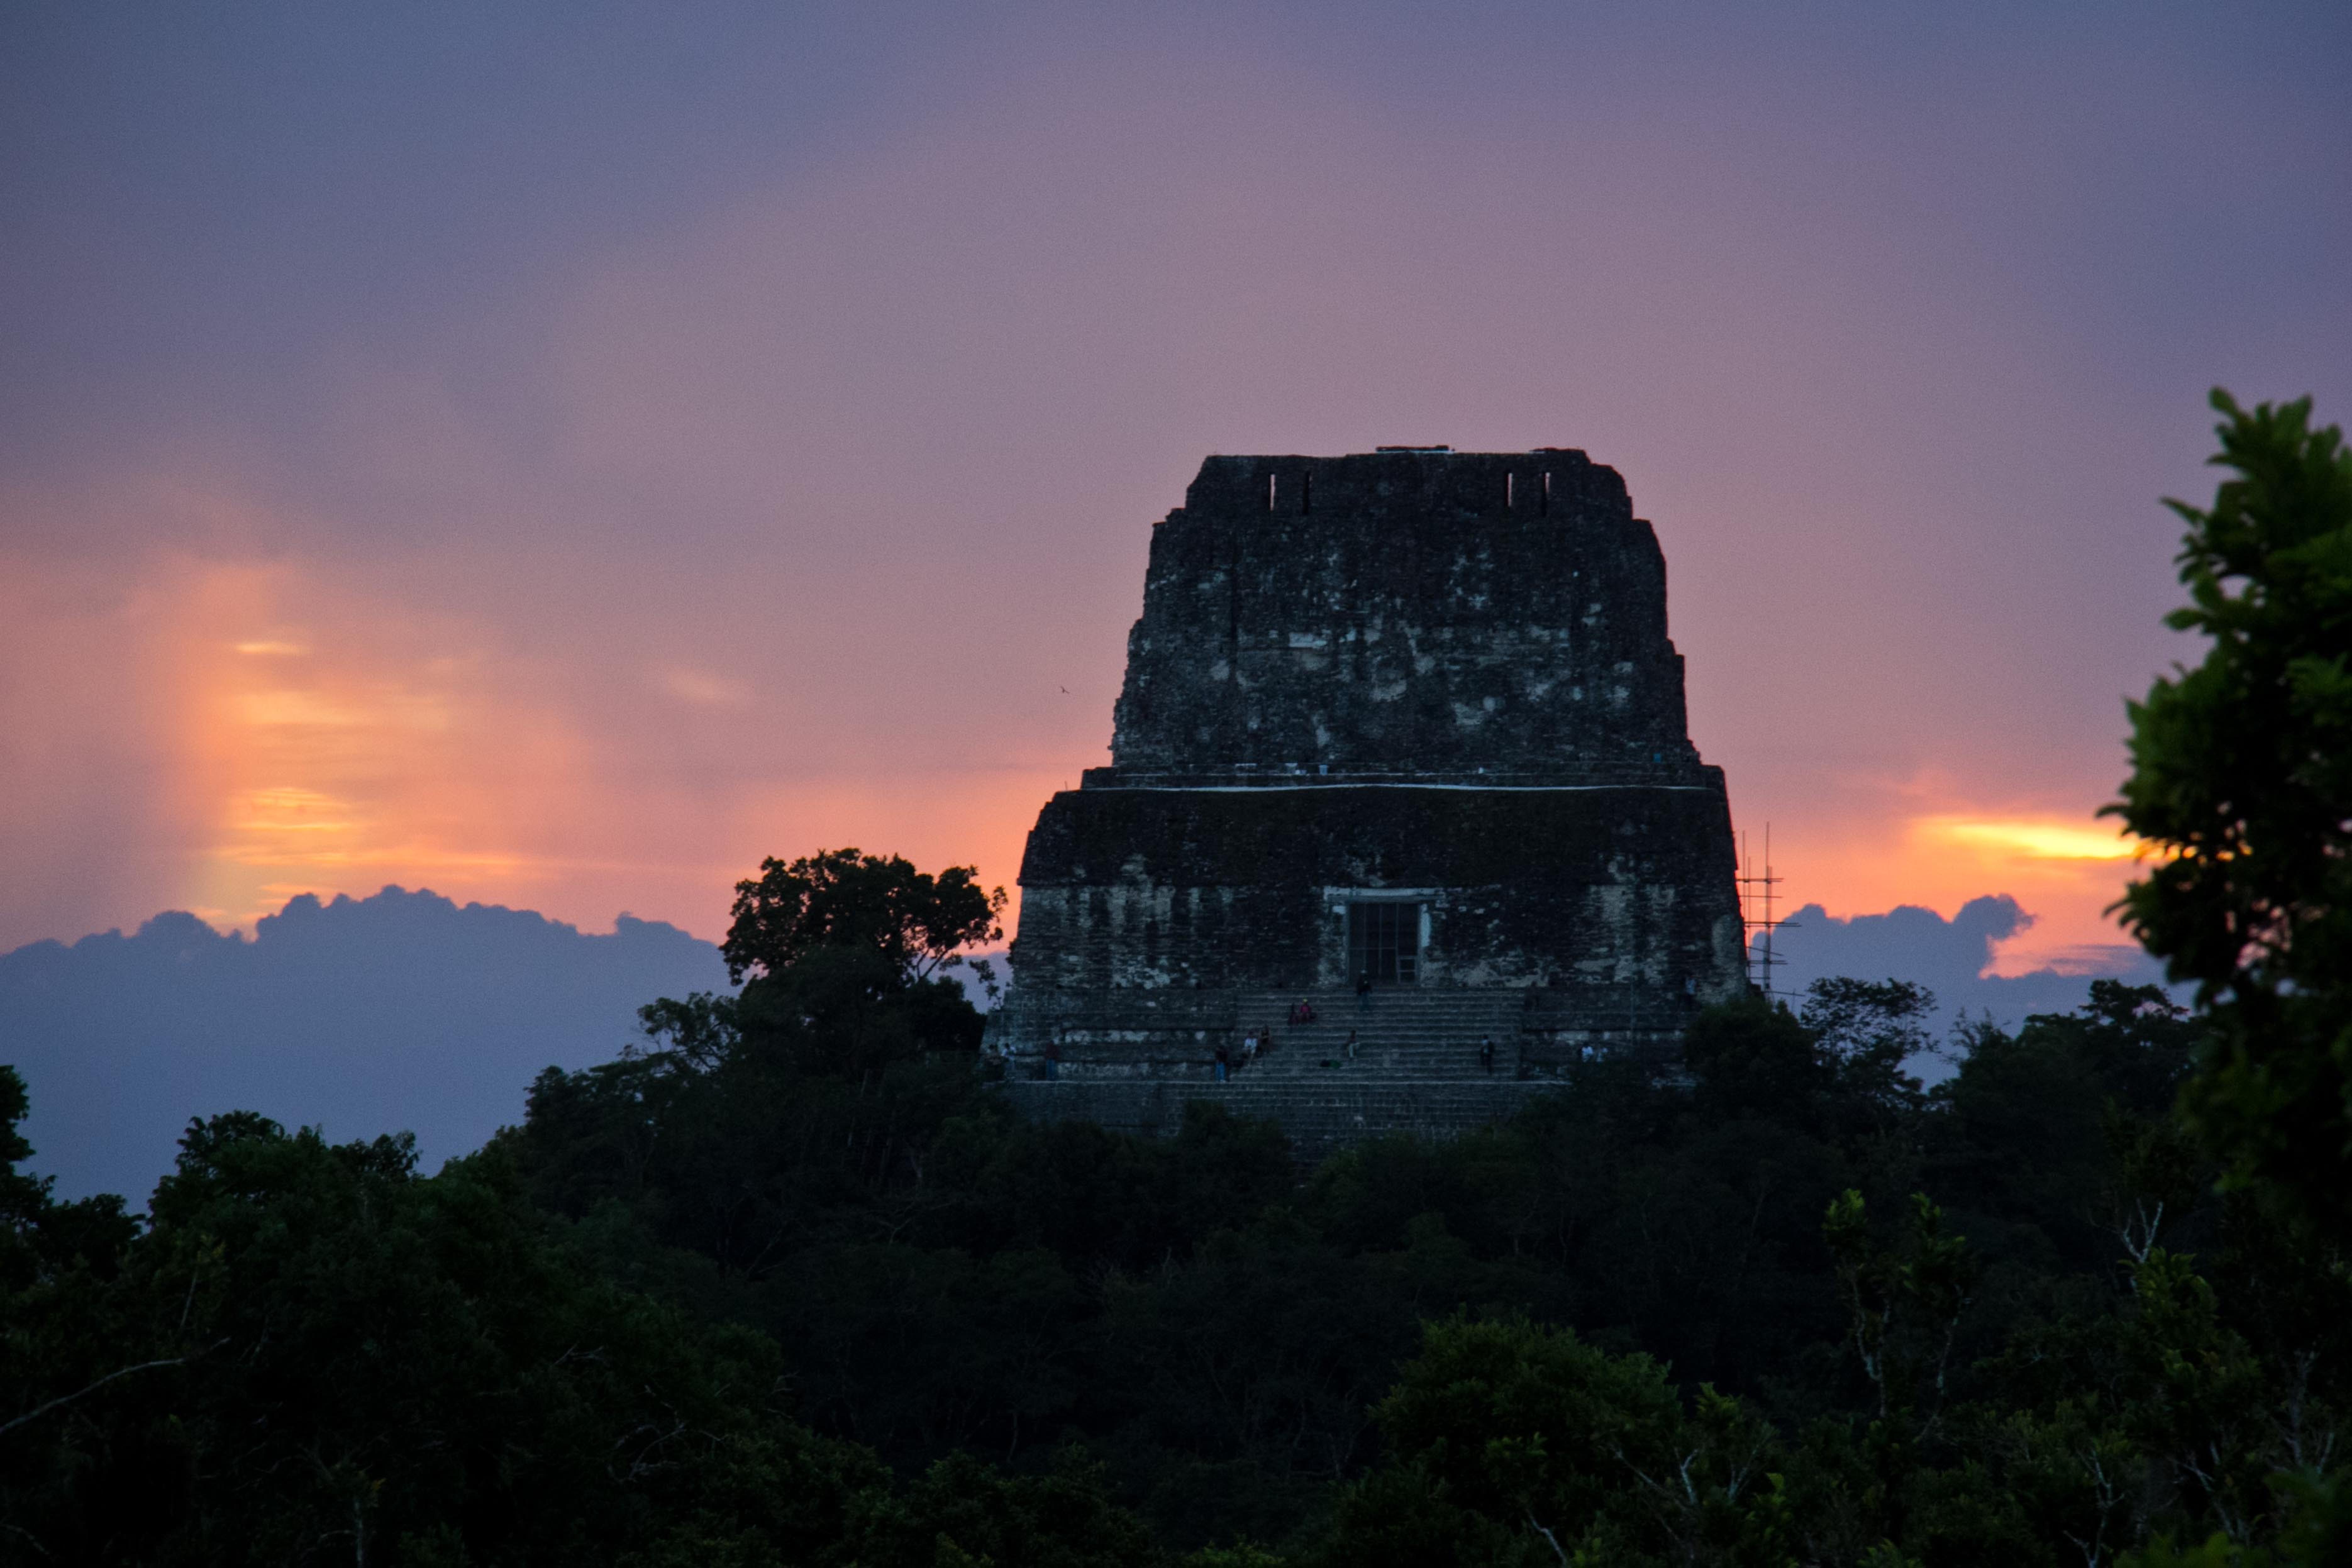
<point>1916,846</point>
<point>2031,838</point>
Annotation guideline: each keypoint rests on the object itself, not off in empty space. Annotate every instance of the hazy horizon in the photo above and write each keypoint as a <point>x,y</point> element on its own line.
<point>404,1012</point>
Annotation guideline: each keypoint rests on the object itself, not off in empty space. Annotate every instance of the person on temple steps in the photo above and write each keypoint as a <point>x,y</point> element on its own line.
<point>1486,1052</point>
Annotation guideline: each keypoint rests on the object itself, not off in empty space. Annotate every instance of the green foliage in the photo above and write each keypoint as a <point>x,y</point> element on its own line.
<point>1245,1555</point>
<point>348,1359</point>
<point>2057,1145</point>
<point>1754,1057</point>
<point>709,1290</point>
<point>1904,1302</point>
<point>1220,1334</point>
<point>1839,1066</point>
<point>734,1132</point>
<point>2241,773</point>
<point>314,1352</point>
<point>962,1511</point>
<point>1509,1442</point>
<point>1510,1432</point>
<point>2216,1551</point>
<point>46,1246</point>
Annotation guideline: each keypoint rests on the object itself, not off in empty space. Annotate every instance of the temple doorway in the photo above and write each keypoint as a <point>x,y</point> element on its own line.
<point>1384,941</point>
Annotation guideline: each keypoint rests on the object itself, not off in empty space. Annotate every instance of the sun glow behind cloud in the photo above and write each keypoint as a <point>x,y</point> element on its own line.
<point>325,740</point>
<point>380,756</point>
<point>1924,844</point>
<point>2068,870</point>
<point>300,734</point>
<point>2032,839</point>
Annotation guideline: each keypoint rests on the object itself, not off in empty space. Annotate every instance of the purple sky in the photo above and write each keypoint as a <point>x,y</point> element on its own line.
<point>558,455</point>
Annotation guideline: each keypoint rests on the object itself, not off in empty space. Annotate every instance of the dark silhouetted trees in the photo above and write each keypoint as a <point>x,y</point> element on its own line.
<point>913,921</point>
<point>2241,780</point>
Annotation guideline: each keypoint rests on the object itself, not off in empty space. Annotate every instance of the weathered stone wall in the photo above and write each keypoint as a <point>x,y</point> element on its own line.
<point>1411,612</point>
<point>1584,887</point>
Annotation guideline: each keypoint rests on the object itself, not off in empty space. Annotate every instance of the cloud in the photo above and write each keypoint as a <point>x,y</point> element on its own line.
<point>1954,957</point>
<point>398,1011</point>
<point>1930,841</point>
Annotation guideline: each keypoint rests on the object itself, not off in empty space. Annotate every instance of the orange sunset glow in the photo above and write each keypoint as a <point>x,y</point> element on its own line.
<point>572,537</point>
<point>318,745</point>
<point>315,742</point>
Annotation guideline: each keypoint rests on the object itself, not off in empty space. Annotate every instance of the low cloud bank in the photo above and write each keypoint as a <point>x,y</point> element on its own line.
<point>404,1012</point>
<point>401,1011</point>
<point>1949,958</point>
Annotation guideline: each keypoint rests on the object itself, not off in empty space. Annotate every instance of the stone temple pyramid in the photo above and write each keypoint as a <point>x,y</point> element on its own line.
<point>1402,738</point>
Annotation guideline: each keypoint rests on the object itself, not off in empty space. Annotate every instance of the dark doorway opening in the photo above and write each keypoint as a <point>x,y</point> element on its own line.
<point>1384,941</point>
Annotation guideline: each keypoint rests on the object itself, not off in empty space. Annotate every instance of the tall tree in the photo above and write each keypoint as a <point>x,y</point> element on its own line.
<point>877,903</point>
<point>2241,780</point>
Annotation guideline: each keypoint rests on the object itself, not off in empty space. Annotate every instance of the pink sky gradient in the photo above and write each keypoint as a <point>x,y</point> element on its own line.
<point>570,529</point>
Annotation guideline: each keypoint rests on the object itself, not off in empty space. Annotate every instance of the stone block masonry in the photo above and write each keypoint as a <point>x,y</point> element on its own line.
<point>1409,719</point>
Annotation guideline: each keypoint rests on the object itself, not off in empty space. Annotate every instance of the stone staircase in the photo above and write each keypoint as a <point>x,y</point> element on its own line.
<point>1415,1070</point>
<point>1402,1033</point>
